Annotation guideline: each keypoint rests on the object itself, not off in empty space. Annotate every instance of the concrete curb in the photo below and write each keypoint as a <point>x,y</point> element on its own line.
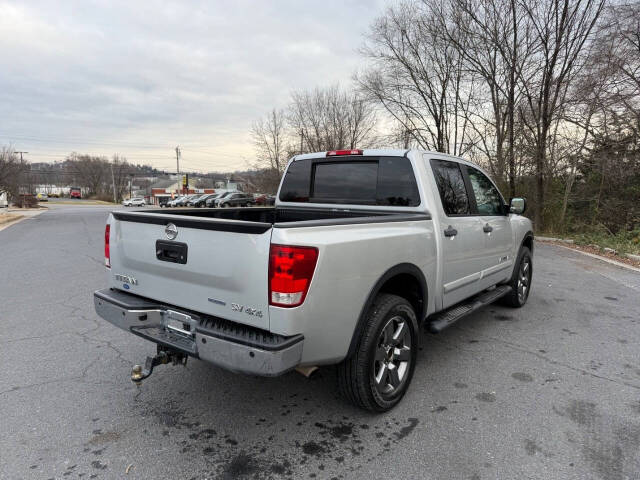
<point>11,222</point>
<point>25,214</point>
<point>554,239</point>
<point>604,259</point>
<point>9,218</point>
<point>606,249</point>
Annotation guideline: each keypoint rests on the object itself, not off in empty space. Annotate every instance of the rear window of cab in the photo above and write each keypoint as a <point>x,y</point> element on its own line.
<point>384,181</point>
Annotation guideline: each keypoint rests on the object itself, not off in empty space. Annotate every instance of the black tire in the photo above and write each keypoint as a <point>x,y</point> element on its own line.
<point>522,276</point>
<point>357,374</point>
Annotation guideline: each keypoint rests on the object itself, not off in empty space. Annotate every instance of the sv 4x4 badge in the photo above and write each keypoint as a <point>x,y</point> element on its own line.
<point>248,310</point>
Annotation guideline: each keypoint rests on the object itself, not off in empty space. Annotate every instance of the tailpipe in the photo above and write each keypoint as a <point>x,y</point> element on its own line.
<point>163,357</point>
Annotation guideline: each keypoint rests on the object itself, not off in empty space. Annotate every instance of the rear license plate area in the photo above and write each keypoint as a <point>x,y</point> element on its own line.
<point>179,323</point>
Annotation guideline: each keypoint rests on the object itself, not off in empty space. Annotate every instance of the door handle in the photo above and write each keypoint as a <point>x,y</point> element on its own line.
<point>487,228</point>
<point>450,232</point>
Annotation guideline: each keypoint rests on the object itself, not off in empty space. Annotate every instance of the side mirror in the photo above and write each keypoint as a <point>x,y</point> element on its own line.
<point>517,206</point>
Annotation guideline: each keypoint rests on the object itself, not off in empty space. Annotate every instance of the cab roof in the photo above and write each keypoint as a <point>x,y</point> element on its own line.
<point>374,152</point>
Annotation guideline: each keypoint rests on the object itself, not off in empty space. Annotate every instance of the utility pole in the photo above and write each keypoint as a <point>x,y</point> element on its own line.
<point>113,180</point>
<point>20,154</point>
<point>301,138</point>
<point>178,159</point>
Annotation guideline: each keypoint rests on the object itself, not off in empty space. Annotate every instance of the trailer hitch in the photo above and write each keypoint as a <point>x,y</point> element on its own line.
<point>163,357</point>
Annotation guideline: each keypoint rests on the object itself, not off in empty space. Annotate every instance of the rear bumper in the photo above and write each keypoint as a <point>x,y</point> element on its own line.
<point>223,343</point>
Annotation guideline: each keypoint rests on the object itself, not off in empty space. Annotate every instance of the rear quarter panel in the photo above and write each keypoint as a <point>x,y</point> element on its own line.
<point>351,260</point>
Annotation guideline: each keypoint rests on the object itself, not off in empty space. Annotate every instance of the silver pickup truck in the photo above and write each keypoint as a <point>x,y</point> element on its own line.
<point>361,250</point>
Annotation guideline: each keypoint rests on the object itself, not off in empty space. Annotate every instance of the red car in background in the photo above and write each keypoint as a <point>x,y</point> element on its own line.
<point>265,200</point>
<point>75,192</point>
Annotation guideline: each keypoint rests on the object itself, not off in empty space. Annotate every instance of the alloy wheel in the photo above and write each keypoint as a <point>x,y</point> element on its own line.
<point>392,356</point>
<point>524,279</point>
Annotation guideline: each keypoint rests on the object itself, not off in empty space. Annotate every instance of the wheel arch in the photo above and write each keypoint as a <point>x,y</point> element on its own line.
<point>405,280</point>
<point>527,241</point>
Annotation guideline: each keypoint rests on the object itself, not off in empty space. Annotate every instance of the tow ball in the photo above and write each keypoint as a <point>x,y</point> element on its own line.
<point>163,357</point>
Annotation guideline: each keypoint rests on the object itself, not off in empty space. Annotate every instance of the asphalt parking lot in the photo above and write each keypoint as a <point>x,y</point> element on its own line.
<point>548,391</point>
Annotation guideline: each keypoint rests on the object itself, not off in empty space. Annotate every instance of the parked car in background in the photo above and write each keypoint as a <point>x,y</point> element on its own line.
<point>211,202</point>
<point>3,200</point>
<point>75,192</point>
<point>42,197</point>
<point>198,198</point>
<point>134,202</point>
<point>192,199</point>
<point>263,199</point>
<point>172,202</point>
<point>162,201</point>
<point>178,201</point>
<point>202,201</point>
<point>183,201</point>
<point>237,199</point>
<point>54,195</point>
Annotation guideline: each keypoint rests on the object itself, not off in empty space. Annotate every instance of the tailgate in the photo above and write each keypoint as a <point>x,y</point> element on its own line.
<point>224,271</point>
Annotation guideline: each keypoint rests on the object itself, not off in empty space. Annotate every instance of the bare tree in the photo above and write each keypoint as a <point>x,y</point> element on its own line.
<point>416,74</point>
<point>560,29</point>
<point>91,171</point>
<point>491,37</point>
<point>11,170</point>
<point>331,118</point>
<point>271,141</point>
<point>120,176</point>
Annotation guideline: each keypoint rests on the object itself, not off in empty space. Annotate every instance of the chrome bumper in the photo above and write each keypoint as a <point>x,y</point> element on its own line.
<point>232,346</point>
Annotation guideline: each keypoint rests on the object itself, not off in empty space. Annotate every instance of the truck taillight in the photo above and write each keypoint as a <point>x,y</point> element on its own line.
<point>290,271</point>
<point>107,255</point>
<point>338,153</point>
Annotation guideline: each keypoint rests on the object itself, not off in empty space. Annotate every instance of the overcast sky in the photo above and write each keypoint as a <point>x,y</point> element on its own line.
<point>139,78</point>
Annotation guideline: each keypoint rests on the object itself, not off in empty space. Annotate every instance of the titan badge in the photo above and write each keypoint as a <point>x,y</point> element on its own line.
<point>126,279</point>
<point>171,231</point>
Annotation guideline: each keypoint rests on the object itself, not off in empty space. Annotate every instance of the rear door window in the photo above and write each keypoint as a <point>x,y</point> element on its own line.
<point>297,182</point>
<point>451,187</point>
<point>396,183</point>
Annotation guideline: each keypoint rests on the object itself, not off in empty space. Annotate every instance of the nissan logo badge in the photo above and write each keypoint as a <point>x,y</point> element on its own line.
<point>171,231</point>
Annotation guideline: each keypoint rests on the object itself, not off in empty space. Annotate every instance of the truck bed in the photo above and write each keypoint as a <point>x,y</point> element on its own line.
<point>217,262</point>
<point>260,219</point>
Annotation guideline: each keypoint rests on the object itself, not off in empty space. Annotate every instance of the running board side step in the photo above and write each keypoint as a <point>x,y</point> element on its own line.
<point>446,318</point>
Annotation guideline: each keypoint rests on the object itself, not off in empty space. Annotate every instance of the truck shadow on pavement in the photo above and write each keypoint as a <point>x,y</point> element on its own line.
<point>228,426</point>
<point>237,426</point>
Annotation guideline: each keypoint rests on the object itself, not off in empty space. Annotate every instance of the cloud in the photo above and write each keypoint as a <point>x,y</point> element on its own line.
<point>106,77</point>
